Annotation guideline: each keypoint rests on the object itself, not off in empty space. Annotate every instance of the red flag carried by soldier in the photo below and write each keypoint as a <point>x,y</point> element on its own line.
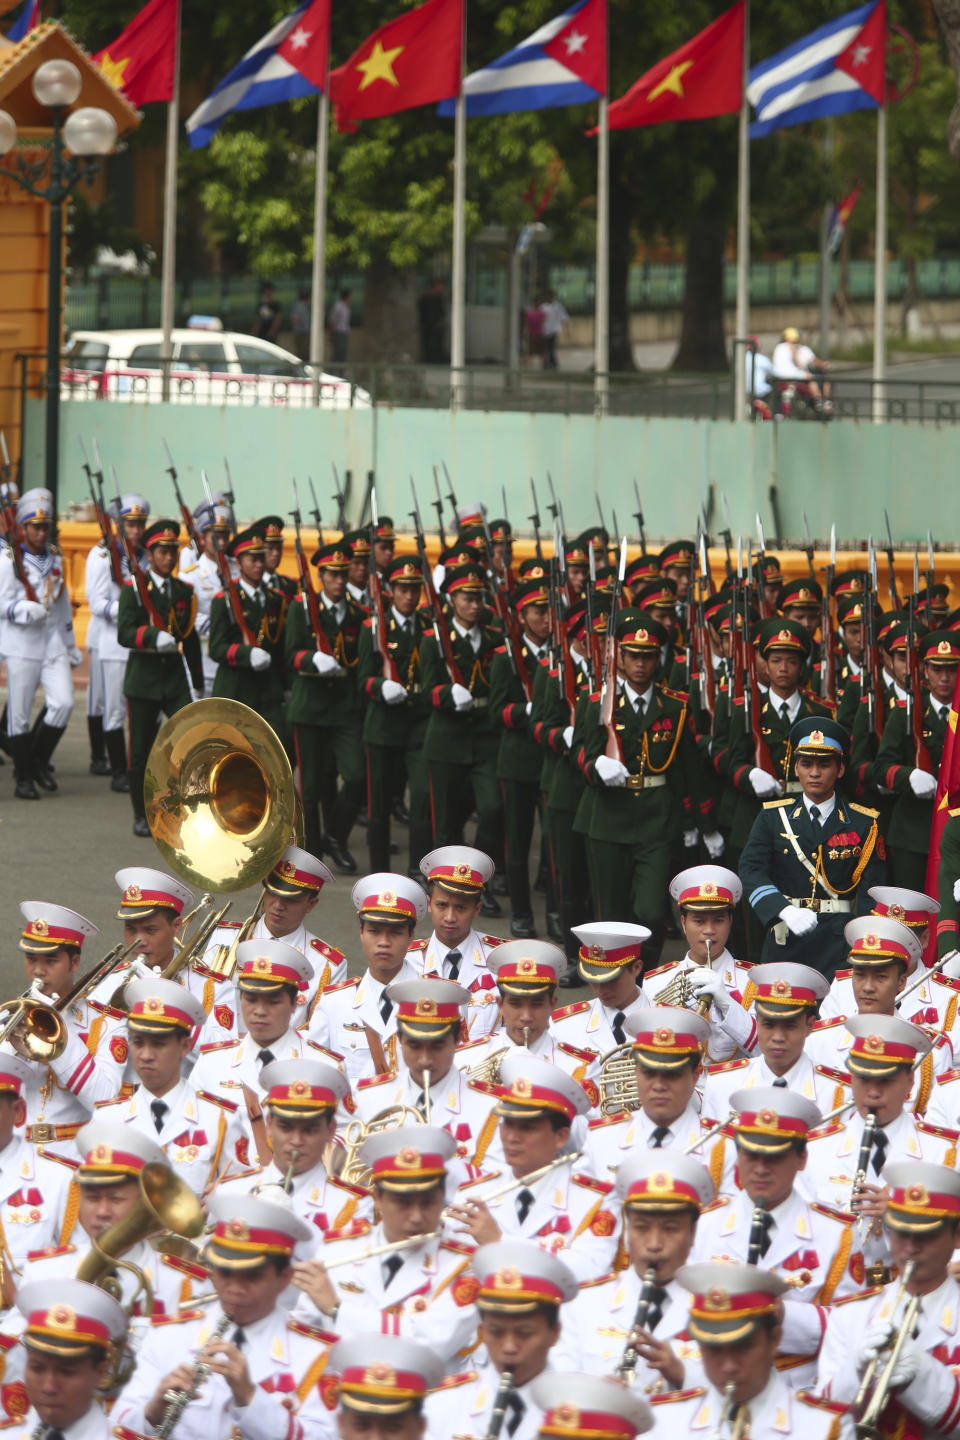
<point>413,60</point>
<point>140,61</point>
<point>702,79</point>
<point>947,798</point>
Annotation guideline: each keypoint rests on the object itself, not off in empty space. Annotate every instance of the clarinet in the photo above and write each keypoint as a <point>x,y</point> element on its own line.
<point>499,1406</point>
<point>757,1232</point>
<point>178,1400</point>
<point>863,1160</point>
<point>628,1363</point>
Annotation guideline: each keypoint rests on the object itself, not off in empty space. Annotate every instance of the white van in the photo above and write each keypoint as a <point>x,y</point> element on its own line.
<point>210,366</point>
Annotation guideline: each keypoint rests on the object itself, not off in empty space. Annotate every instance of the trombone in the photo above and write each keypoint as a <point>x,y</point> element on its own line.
<point>33,1022</point>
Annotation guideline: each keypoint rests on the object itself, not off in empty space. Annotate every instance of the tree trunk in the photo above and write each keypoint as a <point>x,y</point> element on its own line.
<point>621,253</point>
<point>703,345</point>
<point>948,13</point>
<point>389,331</point>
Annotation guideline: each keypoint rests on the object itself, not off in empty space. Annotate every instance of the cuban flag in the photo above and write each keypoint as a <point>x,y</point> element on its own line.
<point>834,70</point>
<point>28,18</point>
<point>263,77</point>
<point>562,63</point>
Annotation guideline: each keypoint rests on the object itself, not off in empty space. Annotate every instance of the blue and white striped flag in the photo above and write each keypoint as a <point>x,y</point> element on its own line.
<point>834,70</point>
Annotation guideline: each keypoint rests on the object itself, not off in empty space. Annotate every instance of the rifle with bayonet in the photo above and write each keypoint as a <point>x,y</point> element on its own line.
<point>891,570</point>
<point>308,596</point>
<point>762,758</point>
<point>440,626</point>
<point>12,529</point>
<point>136,574</point>
<point>608,688</point>
<point>339,498</point>
<point>726,534</point>
<point>511,635</point>
<point>808,547</point>
<point>534,519</point>
<point>828,643</point>
<point>592,656</point>
<point>922,760</point>
<point>230,588</point>
<point>438,506</point>
<point>507,560</point>
<point>378,620</point>
<point>707,680</point>
<point>95,486</point>
<point>186,514</point>
<point>562,661</point>
<point>638,516</point>
<point>871,670</point>
<point>762,564</point>
<point>451,497</point>
<point>930,574</point>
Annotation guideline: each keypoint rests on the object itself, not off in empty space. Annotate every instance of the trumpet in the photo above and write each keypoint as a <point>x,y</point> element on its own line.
<point>868,1425</point>
<point>178,1400</point>
<point>425,1082</point>
<point>500,1405</point>
<point>628,1362</point>
<point>33,1022</point>
<point>726,1409</point>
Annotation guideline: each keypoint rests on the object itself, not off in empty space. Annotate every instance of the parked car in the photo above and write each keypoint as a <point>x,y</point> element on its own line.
<point>209,366</point>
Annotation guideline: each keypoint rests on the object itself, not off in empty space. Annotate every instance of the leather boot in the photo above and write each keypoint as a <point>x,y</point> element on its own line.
<point>571,979</point>
<point>45,738</point>
<point>19,747</point>
<point>117,752</point>
<point>518,884</point>
<point>99,764</point>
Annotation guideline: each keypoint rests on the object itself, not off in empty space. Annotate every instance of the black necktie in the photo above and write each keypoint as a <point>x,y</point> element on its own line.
<point>766,1225</point>
<point>390,1267</point>
<point>655,1313</point>
<point>780,1084</point>
<point>524,1201</point>
<point>453,961</point>
<point>516,1407</point>
<point>880,1144</point>
<point>657,1136</point>
<point>421,1103</point>
<point>386,1008</point>
<point>815,819</point>
<point>238,1338</point>
<point>52,1434</point>
<point>785,712</point>
<point>617,1028</point>
<point>158,1109</point>
<point>266,1057</point>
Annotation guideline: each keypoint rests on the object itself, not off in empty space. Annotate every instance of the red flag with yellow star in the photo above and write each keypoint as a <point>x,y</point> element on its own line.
<point>413,60</point>
<point>140,61</point>
<point>701,79</point>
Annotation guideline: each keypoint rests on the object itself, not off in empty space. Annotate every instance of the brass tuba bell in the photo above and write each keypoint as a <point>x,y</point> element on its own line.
<point>219,796</point>
<point>166,1203</point>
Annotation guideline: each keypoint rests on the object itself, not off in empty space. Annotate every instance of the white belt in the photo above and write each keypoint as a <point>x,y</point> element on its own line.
<point>824,907</point>
<point>645,782</point>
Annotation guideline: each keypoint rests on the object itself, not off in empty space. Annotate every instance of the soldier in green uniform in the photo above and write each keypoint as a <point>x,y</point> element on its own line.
<point>850,624</point>
<point>642,802</point>
<point>250,673</point>
<point>519,758</point>
<point>384,545</point>
<point>272,527</point>
<point>324,710</point>
<point>460,746</point>
<point>155,681</point>
<point>640,572</point>
<point>358,543</point>
<point>896,769</point>
<point>811,859</point>
<point>675,565</point>
<point>395,715</point>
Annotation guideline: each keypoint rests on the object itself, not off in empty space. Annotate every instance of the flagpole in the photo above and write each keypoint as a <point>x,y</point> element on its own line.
<point>601,319</point>
<point>168,264</point>
<point>318,278</point>
<point>880,267</point>
<point>458,299</point>
<point>743,231</point>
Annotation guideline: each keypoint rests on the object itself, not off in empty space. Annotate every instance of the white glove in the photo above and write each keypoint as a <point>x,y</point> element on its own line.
<point>259,659</point>
<point>568,740</point>
<point>393,692</point>
<point>612,772</point>
<point>528,707</point>
<point>923,784</point>
<point>75,656</point>
<point>325,664</point>
<point>690,838</point>
<point>876,1337</point>
<point>956,890</point>
<point>764,784</point>
<point>113,609</point>
<point>908,1365</point>
<point>29,612</point>
<point>462,698</point>
<point>705,982</point>
<point>798,920</point>
<point>714,844</point>
<point>951,965</point>
<point>165,641</point>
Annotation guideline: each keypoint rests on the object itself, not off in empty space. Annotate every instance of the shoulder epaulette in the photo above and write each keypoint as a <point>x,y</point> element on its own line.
<point>597,1280</point>
<point>329,952</point>
<point>418,945</point>
<point>943,1132</point>
<point>832,1214</point>
<point>109,1010</point>
<point>359,1190</point>
<point>479,1180</point>
<point>239,1175</point>
<point>948,1076</point>
<point>577,1008</point>
<point>177,1317</point>
<point>220,1100</point>
<point>599,1121</point>
<point>484,1087</point>
<point>493,940</point>
<point>368,1082</point>
<point>590,1182</point>
<point>858,1295</point>
<point>472,1044</point>
<point>186,1267</point>
<point>575,1051</point>
<point>348,1232</point>
<point>716,1204</point>
<point>660,970</point>
<point>824,1130</point>
<point>49,1251</point>
<point>218,1045</point>
<point>816,1402</point>
<point>672,1396</point>
<point>864,810</point>
<point>333,1055</point>
<point>842,974</point>
<point>457,1246</point>
<point>722,1066</point>
<point>778,804</point>
<point>342,985</point>
<point>114,1100</point>
<point>675,694</point>
<point>946,980</point>
<point>451,1382</point>
<point>230,925</point>
<point>828,1024</point>
<point>312,1332</point>
<point>67,1160</point>
<point>840,1076</point>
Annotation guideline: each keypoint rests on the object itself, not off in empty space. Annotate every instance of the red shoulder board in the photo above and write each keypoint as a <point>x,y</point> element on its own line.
<point>176,1317</point>
<point>843,975</point>
<point>67,1160</point>
<point>479,1180</point>
<point>342,985</point>
<point>218,1045</point>
<point>675,694</point>
<point>947,1076</point>
<point>313,1332</point>
<point>602,1120</point>
<point>590,1182</point>
<point>357,1190</point>
<point>599,1280</point>
<point>450,1382</point>
<point>186,1267</point>
<point>946,981</point>
<point>329,952</point>
<point>472,1044</point>
<point>418,945</point>
<point>370,1080</point>
<point>220,1100</point>
<point>673,1395</point>
<point>821,1134</point>
<point>723,1066</point>
<point>102,1104</point>
<point>940,1130</point>
<point>576,1051</point>
<point>457,1247</point>
<point>577,1008</point>
<point>661,969</point>
<point>483,1087</point>
<point>841,1076</point>
<point>859,1295</point>
<point>828,1024</point>
<point>832,1214</point>
<point>108,1010</point>
<point>836,1407</point>
<point>493,940</point>
<point>50,1251</point>
<point>348,1232</point>
<point>717,1204</point>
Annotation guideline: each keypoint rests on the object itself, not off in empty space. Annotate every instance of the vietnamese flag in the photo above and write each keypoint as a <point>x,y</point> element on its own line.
<point>140,61</point>
<point>945,935</point>
<point>701,79</point>
<point>416,59</point>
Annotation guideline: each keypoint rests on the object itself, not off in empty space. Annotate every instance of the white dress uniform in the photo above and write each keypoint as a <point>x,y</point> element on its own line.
<point>419,1298</point>
<point>740,1031</point>
<point>224,1020</point>
<point>588,1025</point>
<point>777,1410</point>
<point>103,599</point>
<point>94,1425</point>
<point>202,1134</point>
<point>933,1004</point>
<point>94,625</point>
<point>38,651</point>
<point>284,1359</point>
<point>321,1199</point>
<point>581,1064</point>
<point>344,1012</point>
<point>455,1105</point>
<point>463,1405</point>
<point>33,1198</point>
<point>427,958</point>
<point>933,1397</point>
<point>826,1088</point>
<point>222,1069</point>
<point>808,1244</point>
<point>597,1324</point>
<point>828,1045</point>
<point>612,1138</point>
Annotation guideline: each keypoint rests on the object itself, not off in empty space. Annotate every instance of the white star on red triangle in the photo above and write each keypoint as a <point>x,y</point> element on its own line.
<point>300,39</point>
<point>861,54</point>
<point>574,42</point>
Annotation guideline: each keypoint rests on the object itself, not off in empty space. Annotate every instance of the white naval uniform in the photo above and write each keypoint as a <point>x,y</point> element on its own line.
<point>829,1044</point>
<point>321,1199</point>
<point>808,1243</point>
<point>463,1406</point>
<point>201,1135</point>
<point>933,1397</point>
<point>344,1012</point>
<point>284,1360</point>
<point>427,958</point>
<point>612,1138</point>
<point>33,1197</point>
<point>203,577</point>
<point>421,1300</point>
<point>455,1105</point>
<point>92,640</point>
<point>597,1324</point>
<point>103,599</point>
<point>95,1425</point>
<point>933,1004</point>
<point>224,1068</point>
<point>574,1216</point>
<point>588,1025</point>
<point>36,654</point>
<point>777,1410</point>
<point>730,1033</point>
<point>826,1089</point>
<point>225,1021</point>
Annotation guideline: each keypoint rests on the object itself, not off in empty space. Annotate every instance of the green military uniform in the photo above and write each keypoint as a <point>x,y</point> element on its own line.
<point>460,746</point>
<point>264,611</point>
<point>393,733</point>
<point>518,758</point>
<point>912,818</point>
<point>635,823</point>
<point>155,682</point>
<point>324,710</point>
<point>272,527</point>
<point>828,867</point>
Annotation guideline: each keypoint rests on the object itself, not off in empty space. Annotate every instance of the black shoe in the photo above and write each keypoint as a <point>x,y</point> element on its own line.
<point>43,775</point>
<point>394,848</point>
<point>44,740</point>
<point>26,790</point>
<point>498,885</point>
<point>571,979</point>
<point>120,784</point>
<point>140,827</point>
<point>100,767</point>
<point>340,855</point>
<point>523,928</point>
<point>554,928</point>
<point>488,905</point>
<point>400,812</point>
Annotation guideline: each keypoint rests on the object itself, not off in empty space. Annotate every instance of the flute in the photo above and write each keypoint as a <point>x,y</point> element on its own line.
<point>519,1180</point>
